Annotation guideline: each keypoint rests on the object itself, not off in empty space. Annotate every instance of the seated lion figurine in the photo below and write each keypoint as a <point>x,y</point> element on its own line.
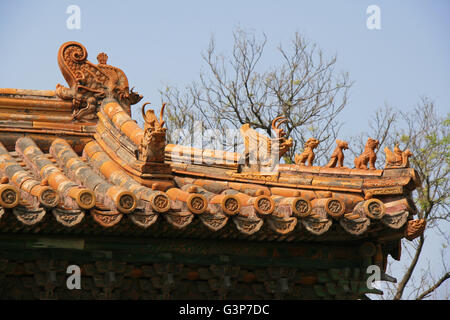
<point>368,156</point>
<point>308,153</point>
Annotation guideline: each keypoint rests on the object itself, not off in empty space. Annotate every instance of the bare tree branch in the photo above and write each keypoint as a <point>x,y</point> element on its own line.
<point>408,274</point>
<point>427,135</point>
<point>434,287</point>
<point>234,90</point>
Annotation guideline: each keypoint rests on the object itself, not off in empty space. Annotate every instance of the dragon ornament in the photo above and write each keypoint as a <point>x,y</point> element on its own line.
<point>151,148</point>
<point>89,83</point>
<point>264,149</point>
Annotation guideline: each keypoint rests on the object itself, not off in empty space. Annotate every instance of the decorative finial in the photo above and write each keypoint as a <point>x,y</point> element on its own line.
<point>102,58</point>
<point>90,83</point>
<point>151,148</point>
<point>283,144</point>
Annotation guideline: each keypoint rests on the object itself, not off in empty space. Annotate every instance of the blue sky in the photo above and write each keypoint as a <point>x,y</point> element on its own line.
<point>160,42</point>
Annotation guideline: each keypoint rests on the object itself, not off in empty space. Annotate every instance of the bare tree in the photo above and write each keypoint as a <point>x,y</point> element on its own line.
<point>427,135</point>
<point>381,127</point>
<point>305,88</point>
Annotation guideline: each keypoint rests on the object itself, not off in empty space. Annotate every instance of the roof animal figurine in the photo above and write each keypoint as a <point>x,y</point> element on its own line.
<point>368,156</point>
<point>337,158</point>
<point>151,148</point>
<point>90,83</point>
<point>308,153</point>
<point>114,178</point>
<point>283,143</point>
<point>261,148</point>
<point>398,158</point>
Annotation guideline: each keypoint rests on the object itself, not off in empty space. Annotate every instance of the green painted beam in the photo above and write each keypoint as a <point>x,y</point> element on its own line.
<point>299,255</point>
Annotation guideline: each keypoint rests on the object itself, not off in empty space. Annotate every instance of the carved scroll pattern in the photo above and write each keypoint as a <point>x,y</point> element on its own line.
<point>395,220</point>
<point>29,216</point>
<point>356,226</point>
<point>143,219</point>
<point>89,83</point>
<point>68,218</point>
<point>282,225</point>
<point>214,221</point>
<point>248,225</point>
<point>179,219</point>
<point>106,218</point>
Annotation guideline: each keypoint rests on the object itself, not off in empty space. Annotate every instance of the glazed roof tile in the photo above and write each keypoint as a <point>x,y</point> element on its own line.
<point>107,168</point>
<point>285,211</point>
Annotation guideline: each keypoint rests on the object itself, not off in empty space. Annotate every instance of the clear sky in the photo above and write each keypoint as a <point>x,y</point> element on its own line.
<point>160,42</point>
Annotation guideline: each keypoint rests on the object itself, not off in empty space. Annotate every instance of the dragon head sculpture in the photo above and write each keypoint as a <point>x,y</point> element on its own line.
<point>153,143</point>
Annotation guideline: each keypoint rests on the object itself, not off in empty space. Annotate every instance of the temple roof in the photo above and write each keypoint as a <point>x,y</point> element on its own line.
<point>73,161</point>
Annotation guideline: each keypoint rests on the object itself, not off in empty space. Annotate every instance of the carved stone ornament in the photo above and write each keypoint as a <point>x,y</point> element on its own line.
<point>372,208</point>
<point>282,225</point>
<point>337,158</point>
<point>68,218</point>
<point>283,144</point>
<point>9,196</point>
<point>308,153</point>
<point>398,158</point>
<point>143,219</point>
<point>126,203</point>
<point>106,218</point>
<point>415,228</point>
<point>49,198</point>
<point>395,220</point>
<point>215,221</point>
<point>248,225</point>
<point>260,148</point>
<point>264,205</point>
<point>355,226</point>
<point>29,216</point>
<point>90,83</point>
<point>179,219</point>
<point>334,207</point>
<point>230,205</point>
<point>196,203</point>
<point>317,225</point>
<point>368,156</point>
<point>397,212</point>
<point>302,207</point>
<point>160,202</point>
<point>153,143</point>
